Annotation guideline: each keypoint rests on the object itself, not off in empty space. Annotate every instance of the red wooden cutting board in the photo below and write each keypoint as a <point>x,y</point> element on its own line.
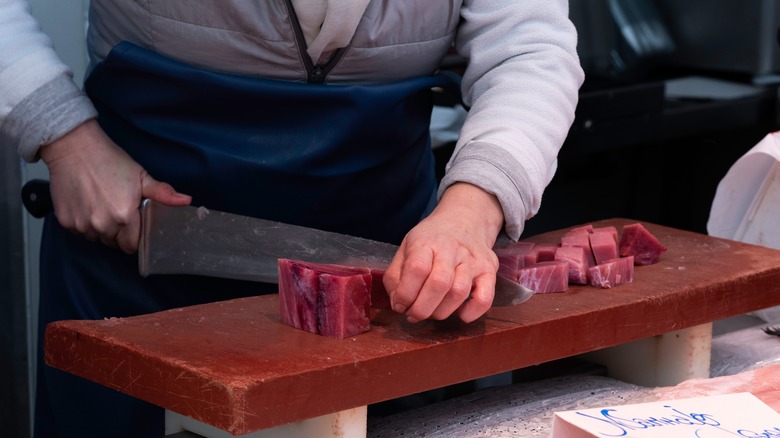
<point>233,365</point>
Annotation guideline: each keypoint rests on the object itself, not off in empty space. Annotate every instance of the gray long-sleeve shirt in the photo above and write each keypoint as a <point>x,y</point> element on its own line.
<point>521,82</point>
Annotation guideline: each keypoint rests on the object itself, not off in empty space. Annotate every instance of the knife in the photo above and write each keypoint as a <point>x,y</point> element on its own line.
<point>196,240</point>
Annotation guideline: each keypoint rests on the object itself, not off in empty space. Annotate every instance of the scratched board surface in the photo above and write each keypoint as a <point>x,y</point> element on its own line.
<point>235,366</point>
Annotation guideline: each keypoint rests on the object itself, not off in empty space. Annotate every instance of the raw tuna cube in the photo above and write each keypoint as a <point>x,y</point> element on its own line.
<point>507,270</point>
<point>577,261</point>
<point>518,254</point>
<point>329,300</point>
<point>609,229</point>
<point>515,256</point>
<point>520,246</point>
<point>545,252</point>
<point>638,242</point>
<point>579,238</point>
<point>298,295</point>
<point>545,277</point>
<point>612,273</point>
<point>604,246</point>
<point>379,297</point>
<point>586,227</point>
<point>346,305</point>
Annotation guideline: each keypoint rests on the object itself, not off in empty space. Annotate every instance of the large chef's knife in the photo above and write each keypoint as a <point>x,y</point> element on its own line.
<point>190,240</point>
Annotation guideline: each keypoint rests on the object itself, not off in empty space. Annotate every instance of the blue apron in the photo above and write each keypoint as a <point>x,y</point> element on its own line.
<point>354,159</point>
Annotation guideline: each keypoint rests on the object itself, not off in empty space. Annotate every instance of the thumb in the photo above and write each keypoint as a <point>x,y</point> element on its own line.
<point>162,192</point>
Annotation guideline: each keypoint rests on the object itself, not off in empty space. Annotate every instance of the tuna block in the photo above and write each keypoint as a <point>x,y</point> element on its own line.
<point>612,273</point>
<point>517,255</point>
<point>577,261</point>
<point>604,246</point>
<point>329,300</point>
<point>379,297</point>
<point>579,237</point>
<point>611,229</point>
<point>514,257</point>
<point>586,227</point>
<point>545,252</point>
<point>545,277</point>
<point>636,241</point>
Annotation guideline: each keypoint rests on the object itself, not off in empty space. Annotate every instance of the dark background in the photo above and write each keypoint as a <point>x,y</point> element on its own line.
<point>632,151</point>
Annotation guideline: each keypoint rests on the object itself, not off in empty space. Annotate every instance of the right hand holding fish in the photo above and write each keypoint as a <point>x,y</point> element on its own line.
<point>96,187</point>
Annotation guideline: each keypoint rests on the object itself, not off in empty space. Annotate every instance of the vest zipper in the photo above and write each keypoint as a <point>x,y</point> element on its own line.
<point>315,73</point>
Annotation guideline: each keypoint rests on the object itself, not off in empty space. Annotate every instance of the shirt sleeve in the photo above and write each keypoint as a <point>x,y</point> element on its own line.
<point>39,102</point>
<point>521,86</point>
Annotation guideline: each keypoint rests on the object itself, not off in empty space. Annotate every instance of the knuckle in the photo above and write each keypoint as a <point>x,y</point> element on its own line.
<point>440,281</point>
<point>492,261</point>
<point>391,279</point>
<point>123,215</point>
<point>460,291</point>
<point>416,266</point>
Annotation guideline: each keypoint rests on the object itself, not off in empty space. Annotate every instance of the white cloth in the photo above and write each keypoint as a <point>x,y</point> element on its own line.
<point>747,203</point>
<point>744,207</point>
<point>328,24</point>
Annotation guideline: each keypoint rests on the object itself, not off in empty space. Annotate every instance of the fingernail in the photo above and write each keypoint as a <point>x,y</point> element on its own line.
<point>400,308</point>
<point>412,320</point>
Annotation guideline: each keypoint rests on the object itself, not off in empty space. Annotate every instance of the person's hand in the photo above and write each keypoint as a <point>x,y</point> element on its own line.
<point>446,264</point>
<point>96,187</point>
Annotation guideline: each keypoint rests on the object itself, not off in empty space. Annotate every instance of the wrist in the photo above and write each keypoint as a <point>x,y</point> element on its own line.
<point>64,145</point>
<point>473,204</point>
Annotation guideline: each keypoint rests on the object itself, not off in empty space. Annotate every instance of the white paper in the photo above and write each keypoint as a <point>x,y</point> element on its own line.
<point>729,415</point>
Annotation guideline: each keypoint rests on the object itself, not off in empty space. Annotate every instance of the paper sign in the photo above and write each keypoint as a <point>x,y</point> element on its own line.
<point>720,416</point>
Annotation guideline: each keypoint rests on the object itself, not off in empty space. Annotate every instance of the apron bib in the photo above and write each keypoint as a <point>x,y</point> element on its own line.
<point>354,159</point>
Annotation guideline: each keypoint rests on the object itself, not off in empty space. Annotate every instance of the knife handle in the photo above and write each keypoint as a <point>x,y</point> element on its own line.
<point>36,197</point>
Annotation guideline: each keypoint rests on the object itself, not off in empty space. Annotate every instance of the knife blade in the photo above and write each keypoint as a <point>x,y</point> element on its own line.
<point>199,241</point>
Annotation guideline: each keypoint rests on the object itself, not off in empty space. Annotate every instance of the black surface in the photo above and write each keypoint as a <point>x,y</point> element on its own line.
<point>667,174</point>
<point>632,153</point>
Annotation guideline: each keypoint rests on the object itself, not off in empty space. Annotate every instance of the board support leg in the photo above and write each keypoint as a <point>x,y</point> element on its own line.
<point>350,423</point>
<point>663,360</point>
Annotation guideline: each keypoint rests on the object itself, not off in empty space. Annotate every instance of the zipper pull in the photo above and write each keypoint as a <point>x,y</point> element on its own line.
<point>317,76</point>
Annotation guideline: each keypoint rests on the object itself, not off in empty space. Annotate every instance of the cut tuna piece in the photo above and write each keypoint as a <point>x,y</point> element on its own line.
<point>329,300</point>
<point>545,252</point>
<point>604,246</point>
<point>518,255</point>
<point>612,273</point>
<point>608,229</point>
<point>514,257</point>
<point>577,261</point>
<point>379,297</point>
<point>545,277</point>
<point>298,295</point>
<point>638,242</point>
<point>580,238</point>
<point>579,231</point>
<point>586,227</point>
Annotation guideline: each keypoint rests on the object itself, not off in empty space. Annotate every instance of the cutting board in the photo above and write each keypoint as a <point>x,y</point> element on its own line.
<point>233,365</point>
